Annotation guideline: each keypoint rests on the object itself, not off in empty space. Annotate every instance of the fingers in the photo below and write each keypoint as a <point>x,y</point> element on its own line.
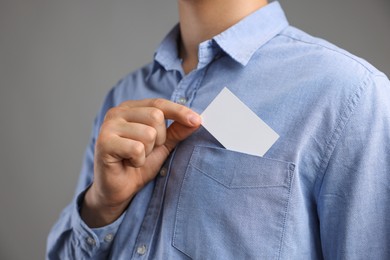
<point>124,122</point>
<point>132,130</point>
<point>153,112</point>
<point>171,110</point>
<point>116,149</point>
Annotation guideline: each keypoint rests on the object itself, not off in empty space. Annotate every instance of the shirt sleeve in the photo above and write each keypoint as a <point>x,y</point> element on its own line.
<point>354,199</point>
<point>70,237</point>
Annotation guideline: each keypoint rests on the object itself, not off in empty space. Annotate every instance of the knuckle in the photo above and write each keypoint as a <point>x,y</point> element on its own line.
<point>158,102</point>
<point>114,112</point>
<point>150,134</point>
<point>138,150</point>
<point>104,140</point>
<point>110,114</point>
<point>107,127</point>
<point>156,115</point>
<point>105,132</point>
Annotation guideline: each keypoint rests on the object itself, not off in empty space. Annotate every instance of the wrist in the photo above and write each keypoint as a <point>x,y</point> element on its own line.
<point>97,214</point>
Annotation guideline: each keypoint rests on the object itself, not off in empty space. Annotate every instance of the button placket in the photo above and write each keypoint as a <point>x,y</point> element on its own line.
<point>180,93</point>
<point>141,249</point>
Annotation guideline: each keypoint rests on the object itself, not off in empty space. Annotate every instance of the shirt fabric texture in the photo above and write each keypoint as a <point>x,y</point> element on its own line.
<point>321,192</point>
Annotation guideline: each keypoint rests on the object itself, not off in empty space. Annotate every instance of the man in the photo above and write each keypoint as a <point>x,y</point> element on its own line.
<point>321,191</point>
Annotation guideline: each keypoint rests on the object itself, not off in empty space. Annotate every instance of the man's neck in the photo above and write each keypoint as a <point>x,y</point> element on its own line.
<point>200,20</point>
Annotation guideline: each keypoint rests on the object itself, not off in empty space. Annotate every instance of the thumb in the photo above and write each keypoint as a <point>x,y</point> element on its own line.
<point>176,132</point>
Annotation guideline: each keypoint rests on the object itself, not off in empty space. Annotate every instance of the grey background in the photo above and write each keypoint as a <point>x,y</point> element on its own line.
<point>59,58</point>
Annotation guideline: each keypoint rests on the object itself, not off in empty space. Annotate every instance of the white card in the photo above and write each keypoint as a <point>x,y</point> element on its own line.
<point>237,127</point>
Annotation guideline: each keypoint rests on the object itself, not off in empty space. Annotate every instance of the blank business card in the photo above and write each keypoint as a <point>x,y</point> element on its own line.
<point>237,127</point>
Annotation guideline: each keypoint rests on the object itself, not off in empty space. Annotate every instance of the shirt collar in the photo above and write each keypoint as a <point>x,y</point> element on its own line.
<point>239,41</point>
<point>242,39</point>
<point>167,54</point>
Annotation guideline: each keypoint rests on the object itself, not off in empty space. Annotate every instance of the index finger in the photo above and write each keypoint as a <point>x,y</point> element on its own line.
<point>171,110</point>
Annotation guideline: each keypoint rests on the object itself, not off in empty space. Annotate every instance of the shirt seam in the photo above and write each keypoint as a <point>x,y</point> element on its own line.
<point>345,54</point>
<point>337,133</point>
<point>291,171</point>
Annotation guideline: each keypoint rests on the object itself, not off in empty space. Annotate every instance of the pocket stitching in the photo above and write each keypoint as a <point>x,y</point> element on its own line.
<point>291,171</point>
<point>238,186</point>
<point>194,160</point>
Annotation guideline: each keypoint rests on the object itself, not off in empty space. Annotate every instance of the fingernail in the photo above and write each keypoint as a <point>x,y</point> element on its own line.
<point>195,120</point>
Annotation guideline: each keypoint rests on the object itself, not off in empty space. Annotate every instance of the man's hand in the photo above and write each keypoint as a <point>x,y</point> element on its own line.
<point>132,145</point>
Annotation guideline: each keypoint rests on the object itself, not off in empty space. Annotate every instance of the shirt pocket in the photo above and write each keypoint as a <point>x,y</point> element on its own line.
<point>232,205</point>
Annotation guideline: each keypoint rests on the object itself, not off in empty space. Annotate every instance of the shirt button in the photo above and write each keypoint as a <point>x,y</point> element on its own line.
<point>141,250</point>
<point>91,241</point>
<point>182,101</point>
<point>108,237</point>
<point>163,172</point>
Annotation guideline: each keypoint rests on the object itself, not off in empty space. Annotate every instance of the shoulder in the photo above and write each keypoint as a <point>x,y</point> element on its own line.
<point>333,69</point>
<point>326,51</point>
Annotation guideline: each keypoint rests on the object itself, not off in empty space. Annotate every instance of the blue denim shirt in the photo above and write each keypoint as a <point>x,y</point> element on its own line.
<point>321,192</point>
